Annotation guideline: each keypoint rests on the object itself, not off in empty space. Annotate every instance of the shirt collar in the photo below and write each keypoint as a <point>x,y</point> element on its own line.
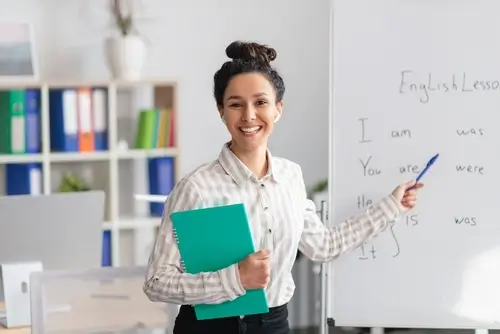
<point>237,169</point>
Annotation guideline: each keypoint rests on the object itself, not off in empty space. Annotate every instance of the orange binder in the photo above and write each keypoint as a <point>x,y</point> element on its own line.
<point>85,120</point>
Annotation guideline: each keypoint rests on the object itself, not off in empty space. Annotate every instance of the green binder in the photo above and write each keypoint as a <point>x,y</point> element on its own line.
<point>214,238</point>
<point>12,121</point>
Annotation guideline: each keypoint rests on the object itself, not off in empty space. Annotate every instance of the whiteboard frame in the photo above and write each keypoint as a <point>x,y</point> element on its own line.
<point>330,276</point>
<point>331,156</point>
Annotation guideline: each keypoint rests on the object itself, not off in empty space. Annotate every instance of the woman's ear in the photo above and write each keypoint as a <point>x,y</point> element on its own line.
<point>221,114</point>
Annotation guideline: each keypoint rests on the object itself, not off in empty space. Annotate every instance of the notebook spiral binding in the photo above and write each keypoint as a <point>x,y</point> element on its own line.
<point>183,265</point>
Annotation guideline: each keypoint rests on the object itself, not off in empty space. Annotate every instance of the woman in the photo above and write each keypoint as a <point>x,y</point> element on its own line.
<point>249,96</point>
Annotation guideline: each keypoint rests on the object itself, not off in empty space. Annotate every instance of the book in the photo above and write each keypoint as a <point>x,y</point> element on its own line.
<point>215,238</point>
<point>155,128</point>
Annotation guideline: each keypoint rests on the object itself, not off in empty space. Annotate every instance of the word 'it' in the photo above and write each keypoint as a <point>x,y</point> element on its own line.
<point>370,253</point>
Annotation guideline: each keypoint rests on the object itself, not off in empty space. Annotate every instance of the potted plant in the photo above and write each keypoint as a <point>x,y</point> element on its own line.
<point>319,193</point>
<point>72,183</point>
<point>126,50</point>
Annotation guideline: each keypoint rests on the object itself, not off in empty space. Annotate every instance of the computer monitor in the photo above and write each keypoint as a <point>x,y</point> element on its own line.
<point>63,231</point>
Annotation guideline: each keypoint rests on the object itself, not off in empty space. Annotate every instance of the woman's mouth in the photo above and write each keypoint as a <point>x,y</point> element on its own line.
<point>250,130</point>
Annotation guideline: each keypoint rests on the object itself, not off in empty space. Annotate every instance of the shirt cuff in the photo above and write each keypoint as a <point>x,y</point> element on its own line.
<point>230,279</point>
<point>391,208</point>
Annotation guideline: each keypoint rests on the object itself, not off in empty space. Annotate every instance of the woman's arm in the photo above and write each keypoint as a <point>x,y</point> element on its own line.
<point>165,280</point>
<point>322,243</point>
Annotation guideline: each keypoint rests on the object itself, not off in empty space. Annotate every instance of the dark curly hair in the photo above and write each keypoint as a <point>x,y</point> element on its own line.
<point>247,57</point>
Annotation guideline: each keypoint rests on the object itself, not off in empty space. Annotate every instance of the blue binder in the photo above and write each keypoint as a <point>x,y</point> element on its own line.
<point>161,181</point>
<point>33,137</point>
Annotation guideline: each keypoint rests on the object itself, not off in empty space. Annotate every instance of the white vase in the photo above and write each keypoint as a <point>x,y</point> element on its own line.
<point>126,55</point>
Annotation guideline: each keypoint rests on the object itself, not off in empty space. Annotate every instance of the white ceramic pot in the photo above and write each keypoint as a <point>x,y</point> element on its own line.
<point>126,56</point>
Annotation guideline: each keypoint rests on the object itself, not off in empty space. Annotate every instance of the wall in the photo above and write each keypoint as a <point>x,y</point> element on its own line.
<point>187,41</point>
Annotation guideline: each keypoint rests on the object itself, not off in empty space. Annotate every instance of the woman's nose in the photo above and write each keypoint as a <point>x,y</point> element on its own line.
<point>249,114</point>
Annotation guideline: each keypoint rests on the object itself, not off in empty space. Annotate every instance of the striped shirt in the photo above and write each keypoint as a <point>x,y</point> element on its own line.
<point>282,220</point>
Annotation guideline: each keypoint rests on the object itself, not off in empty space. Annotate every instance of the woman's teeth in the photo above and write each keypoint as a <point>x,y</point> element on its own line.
<point>250,130</point>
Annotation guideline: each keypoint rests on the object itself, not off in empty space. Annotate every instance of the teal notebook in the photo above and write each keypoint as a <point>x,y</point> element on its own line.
<point>214,238</point>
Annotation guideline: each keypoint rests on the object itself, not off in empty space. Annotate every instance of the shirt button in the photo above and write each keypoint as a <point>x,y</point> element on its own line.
<point>270,231</point>
<point>262,185</point>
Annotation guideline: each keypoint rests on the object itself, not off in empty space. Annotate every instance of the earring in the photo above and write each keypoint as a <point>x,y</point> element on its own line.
<point>277,118</point>
<point>223,119</point>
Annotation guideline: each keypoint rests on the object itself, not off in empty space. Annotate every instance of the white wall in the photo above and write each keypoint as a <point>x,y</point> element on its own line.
<point>188,39</point>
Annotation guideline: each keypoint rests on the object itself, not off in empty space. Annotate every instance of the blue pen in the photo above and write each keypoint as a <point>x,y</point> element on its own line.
<point>429,164</point>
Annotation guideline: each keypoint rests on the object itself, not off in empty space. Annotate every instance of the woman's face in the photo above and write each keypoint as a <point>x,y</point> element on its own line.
<point>250,110</point>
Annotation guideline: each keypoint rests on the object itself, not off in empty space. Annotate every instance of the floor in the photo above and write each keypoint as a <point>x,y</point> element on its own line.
<point>391,331</point>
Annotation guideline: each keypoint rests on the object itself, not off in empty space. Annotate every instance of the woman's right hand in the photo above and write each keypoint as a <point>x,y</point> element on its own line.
<point>406,195</point>
<point>254,270</point>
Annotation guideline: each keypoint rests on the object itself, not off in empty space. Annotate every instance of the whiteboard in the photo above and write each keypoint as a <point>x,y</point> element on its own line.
<point>412,78</point>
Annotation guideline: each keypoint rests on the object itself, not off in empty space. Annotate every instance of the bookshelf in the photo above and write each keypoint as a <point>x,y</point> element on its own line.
<point>121,170</point>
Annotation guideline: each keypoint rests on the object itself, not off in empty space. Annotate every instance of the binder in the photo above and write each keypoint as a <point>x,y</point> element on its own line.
<point>86,141</point>
<point>106,256</point>
<point>63,120</point>
<point>214,238</point>
<point>161,180</point>
<point>23,179</point>
<point>100,118</point>
<point>32,104</point>
<point>12,122</point>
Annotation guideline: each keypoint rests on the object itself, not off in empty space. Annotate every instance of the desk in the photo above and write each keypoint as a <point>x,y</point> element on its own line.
<point>89,312</point>
<point>21,330</point>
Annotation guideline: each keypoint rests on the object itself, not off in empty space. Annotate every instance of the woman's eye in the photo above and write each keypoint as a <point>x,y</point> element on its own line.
<point>235,105</point>
<point>261,102</point>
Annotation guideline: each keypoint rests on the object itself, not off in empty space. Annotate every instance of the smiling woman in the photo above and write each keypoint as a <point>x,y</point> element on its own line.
<point>249,94</point>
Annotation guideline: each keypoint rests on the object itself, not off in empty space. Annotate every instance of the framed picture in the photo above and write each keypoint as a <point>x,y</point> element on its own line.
<point>17,52</point>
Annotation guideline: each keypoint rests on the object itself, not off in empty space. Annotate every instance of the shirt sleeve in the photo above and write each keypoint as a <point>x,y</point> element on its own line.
<point>165,279</point>
<point>322,243</point>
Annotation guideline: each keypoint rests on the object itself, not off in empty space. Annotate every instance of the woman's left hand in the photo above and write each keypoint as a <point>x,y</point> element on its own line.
<point>405,196</point>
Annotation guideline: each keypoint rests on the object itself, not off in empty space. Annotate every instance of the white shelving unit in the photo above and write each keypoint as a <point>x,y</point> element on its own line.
<point>118,218</point>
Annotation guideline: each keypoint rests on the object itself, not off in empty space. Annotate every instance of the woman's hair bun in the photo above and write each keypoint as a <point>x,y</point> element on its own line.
<point>249,50</point>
